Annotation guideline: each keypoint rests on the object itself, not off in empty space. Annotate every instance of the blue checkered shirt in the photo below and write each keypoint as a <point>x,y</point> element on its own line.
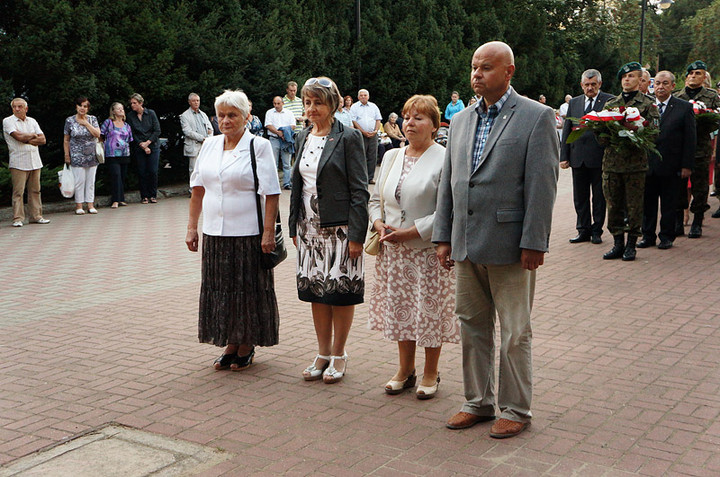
<point>485,123</point>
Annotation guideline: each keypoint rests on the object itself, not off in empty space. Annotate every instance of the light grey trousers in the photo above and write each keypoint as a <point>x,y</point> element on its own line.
<point>483,290</point>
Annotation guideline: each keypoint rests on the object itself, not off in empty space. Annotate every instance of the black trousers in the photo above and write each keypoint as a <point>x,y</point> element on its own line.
<point>588,180</point>
<point>666,189</point>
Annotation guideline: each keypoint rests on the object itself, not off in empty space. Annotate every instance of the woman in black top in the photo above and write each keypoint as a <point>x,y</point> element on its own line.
<point>146,146</point>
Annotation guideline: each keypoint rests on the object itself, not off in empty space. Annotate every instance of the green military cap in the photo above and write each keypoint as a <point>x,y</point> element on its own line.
<point>696,65</point>
<point>628,67</point>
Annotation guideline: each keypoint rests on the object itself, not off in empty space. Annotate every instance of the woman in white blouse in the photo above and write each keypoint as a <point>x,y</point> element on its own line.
<point>413,299</point>
<point>238,308</point>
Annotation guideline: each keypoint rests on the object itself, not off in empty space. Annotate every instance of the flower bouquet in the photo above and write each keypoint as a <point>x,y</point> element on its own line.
<point>617,127</point>
<point>706,119</point>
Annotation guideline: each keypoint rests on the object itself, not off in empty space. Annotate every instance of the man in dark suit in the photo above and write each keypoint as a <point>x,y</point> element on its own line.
<point>585,158</point>
<point>495,202</point>
<point>676,145</point>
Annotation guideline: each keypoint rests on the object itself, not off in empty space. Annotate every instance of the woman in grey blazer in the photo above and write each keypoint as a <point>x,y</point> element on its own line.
<point>412,300</point>
<point>328,220</point>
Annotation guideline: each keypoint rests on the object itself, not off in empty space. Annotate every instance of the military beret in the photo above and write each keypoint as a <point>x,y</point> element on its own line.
<point>628,67</point>
<point>696,65</point>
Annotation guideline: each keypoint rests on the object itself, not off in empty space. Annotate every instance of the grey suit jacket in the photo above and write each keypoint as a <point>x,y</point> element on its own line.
<point>194,132</point>
<point>505,205</point>
<point>341,183</point>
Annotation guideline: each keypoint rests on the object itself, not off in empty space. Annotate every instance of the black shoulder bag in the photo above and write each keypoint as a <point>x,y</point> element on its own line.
<point>270,260</point>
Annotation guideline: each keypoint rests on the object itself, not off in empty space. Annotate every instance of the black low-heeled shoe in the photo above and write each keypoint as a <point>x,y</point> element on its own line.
<point>223,362</point>
<point>242,362</point>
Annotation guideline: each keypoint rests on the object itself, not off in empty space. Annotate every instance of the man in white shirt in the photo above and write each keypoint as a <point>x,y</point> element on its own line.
<point>277,118</point>
<point>23,136</point>
<point>196,127</point>
<point>366,118</point>
<point>564,107</point>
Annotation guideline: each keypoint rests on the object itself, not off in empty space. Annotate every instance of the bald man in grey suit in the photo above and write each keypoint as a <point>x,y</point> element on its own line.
<point>492,223</point>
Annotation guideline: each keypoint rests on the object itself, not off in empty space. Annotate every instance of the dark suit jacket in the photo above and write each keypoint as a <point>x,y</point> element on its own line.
<point>586,150</point>
<point>341,183</point>
<point>676,141</point>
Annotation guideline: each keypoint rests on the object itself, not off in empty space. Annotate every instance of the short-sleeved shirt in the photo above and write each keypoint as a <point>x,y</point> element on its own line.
<point>279,119</point>
<point>24,157</point>
<point>82,143</point>
<point>344,117</point>
<point>295,106</point>
<point>365,115</point>
<point>117,140</point>
<point>228,205</point>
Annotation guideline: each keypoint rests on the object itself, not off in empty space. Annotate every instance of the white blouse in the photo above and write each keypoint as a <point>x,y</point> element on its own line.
<point>309,162</point>
<point>229,203</point>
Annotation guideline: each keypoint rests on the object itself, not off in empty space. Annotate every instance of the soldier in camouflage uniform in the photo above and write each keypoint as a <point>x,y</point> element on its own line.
<point>624,167</point>
<point>694,90</point>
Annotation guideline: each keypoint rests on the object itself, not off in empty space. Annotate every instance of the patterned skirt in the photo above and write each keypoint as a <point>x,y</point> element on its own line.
<point>237,296</point>
<point>413,297</point>
<point>325,272</point>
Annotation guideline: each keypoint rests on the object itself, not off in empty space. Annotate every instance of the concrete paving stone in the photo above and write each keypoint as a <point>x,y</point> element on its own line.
<point>624,372</point>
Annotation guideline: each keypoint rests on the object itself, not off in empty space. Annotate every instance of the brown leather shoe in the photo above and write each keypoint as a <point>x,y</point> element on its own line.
<point>463,420</point>
<point>506,428</point>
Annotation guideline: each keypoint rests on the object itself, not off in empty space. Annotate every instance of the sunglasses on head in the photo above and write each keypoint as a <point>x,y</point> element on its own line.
<point>324,82</point>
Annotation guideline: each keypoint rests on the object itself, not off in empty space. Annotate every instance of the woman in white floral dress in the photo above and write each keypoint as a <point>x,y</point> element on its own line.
<point>413,298</point>
<point>328,223</point>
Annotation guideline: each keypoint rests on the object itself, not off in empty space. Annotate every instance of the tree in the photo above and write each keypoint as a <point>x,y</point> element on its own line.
<point>706,44</point>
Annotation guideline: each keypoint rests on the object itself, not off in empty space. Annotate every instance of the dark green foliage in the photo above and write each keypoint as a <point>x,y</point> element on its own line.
<point>55,50</point>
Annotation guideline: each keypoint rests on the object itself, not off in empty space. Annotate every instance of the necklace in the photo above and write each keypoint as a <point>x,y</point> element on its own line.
<point>312,155</point>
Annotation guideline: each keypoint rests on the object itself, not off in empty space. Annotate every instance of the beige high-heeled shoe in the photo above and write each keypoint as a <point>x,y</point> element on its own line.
<point>428,392</point>
<point>396,387</point>
<point>332,375</point>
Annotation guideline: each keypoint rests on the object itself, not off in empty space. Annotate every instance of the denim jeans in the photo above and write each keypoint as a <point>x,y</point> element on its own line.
<point>147,166</point>
<point>117,173</point>
<point>283,156</point>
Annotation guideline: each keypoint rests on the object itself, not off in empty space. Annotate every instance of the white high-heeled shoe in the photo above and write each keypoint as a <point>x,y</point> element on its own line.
<point>428,392</point>
<point>332,375</point>
<point>396,387</point>
<point>312,372</point>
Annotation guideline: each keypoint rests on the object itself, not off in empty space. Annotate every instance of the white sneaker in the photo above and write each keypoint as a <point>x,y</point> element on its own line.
<point>42,221</point>
<point>18,223</point>
<point>79,212</point>
<point>92,210</point>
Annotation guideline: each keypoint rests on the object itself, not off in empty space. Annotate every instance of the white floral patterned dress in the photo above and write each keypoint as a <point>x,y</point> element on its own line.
<point>413,297</point>
<point>325,272</point>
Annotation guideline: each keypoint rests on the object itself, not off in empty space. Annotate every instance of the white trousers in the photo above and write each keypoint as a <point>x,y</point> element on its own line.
<point>84,184</point>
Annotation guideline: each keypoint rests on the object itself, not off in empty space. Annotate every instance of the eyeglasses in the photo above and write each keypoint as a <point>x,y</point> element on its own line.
<point>324,82</point>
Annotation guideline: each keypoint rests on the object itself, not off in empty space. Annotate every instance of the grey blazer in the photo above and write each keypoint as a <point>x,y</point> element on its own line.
<point>341,183</point>
<point>490,214</point>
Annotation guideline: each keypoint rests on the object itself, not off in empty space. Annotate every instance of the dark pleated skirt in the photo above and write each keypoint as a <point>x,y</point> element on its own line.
<point>237,296</point>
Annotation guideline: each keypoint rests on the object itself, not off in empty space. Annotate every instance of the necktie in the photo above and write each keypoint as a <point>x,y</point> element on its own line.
<point>589,106</point>
<point>661,107</point>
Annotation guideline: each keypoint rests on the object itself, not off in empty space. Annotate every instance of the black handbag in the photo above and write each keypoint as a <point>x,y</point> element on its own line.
<point>270,260</point>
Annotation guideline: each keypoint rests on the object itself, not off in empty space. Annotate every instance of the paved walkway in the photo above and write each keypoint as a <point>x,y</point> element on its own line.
<point>98,324</point>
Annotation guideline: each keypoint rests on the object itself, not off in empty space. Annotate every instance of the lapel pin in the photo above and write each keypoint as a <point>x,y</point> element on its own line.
<point>505,117</point>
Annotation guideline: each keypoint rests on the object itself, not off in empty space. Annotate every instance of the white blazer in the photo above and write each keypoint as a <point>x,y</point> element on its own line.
<point>418,195</point>
<point>229,208</point>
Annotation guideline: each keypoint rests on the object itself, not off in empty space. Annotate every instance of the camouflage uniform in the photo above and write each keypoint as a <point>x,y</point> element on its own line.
<point>700,175</point>
<point>623,172</point>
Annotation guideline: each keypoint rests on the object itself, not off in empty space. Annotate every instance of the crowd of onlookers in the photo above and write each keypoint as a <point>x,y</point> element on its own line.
<point>135,137</point>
